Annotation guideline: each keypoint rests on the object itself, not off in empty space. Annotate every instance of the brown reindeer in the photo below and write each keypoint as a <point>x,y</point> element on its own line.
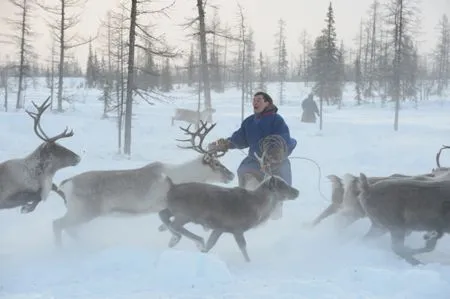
<point>406,205</point>
<point>25,182</point>
<point>345,194</point>
<point>224,210</point>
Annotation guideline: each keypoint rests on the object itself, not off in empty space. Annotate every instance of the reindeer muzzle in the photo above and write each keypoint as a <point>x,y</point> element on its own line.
<point>293,193</point>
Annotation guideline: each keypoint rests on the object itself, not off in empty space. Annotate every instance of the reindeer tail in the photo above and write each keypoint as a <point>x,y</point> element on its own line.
<point>59,191</point>
<point>363,183</point>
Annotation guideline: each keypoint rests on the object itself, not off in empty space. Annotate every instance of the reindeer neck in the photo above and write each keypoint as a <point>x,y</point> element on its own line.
<point>35,163</point>
<point>264,196</point>
<point>189,171</point>
<point>265,202</point>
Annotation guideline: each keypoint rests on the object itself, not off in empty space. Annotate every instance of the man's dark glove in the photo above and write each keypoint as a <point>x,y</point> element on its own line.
<point>220,145</point>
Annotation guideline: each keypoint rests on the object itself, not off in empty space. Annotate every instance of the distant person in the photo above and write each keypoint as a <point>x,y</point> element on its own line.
<point>310,110</point>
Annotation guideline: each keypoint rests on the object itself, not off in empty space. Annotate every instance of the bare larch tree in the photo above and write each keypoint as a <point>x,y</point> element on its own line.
<point>66,19</point>
<point>21,36</point>
<point>282,63</point>
<point>402,16</point>
<point>442,55</point>
<point>138,31</point>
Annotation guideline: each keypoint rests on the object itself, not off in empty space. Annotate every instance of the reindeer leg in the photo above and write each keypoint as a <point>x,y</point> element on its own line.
<point>398,246</point>
<point>162,228</point>
<point>28,200</point>
<point>212,240</point>
<point>68,223</point>
<point>349,217</point>
<point>30,206</point>
<point>176,235</point>
<point>330,210</point>
<point>240,240</point>
<point>375,231</point>
<point>165,215</point>
<point>431,240</point>
<point>177,229</point>
<point>177,226</point>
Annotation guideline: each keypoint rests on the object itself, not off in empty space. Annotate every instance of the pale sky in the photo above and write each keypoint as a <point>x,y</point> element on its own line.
<point>262,15</point>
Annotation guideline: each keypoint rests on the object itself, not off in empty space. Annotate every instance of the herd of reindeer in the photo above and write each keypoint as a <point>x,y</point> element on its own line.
<point>184,193</point>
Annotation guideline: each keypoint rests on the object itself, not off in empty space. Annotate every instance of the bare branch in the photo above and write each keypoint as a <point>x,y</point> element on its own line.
<point>81,43</point>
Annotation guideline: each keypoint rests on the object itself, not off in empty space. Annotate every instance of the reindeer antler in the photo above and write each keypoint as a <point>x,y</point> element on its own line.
<point>265,167</point>
<point>36,116</point>
<point>438,155</point>
<point>201,132</point>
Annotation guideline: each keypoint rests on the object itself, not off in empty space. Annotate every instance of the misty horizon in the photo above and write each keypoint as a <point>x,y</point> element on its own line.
<point>262,17</point>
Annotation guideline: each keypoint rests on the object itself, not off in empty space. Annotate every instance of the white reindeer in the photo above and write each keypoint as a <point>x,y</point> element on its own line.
<point>134,191</point>
<point>192,116</point>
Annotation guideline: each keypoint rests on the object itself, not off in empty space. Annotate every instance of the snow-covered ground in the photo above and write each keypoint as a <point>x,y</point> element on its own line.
<point>128,257</point>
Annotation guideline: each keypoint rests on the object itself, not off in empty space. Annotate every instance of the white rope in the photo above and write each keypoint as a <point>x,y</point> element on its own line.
<point>319,176</point>
<point>277,148</point>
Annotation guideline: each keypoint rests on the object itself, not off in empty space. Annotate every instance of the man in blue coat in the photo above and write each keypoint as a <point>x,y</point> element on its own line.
<point>264,122</point>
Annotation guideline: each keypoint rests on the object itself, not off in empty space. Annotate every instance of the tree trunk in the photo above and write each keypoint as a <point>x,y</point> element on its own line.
<point>204,56</point>
<point>19,103</point>
<point>52,76</point>
<point>397,61</point>
<point>61,58</point>
<point>130,79</point>
<point>5,79</point>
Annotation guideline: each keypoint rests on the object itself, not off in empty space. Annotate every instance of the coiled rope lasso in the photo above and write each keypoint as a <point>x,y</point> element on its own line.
<point>276,151</point>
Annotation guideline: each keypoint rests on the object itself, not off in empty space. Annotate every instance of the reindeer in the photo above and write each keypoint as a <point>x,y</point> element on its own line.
<point>25,182</point>
<point>134,191</point>
<point>345,193</point>
<point>406,205</point>
<point>224,210</point>
<point>193,117</point>
<point>343,199</point>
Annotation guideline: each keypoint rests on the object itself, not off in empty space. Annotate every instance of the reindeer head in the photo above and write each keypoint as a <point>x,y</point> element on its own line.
<point>51,154</point>
<point>275,183</point>
<point>279,186</point>
<point>209,159</point>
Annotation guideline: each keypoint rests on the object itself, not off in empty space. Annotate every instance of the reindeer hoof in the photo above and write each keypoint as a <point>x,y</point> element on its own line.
<point>415,262</point>
<point>162,228</point>
<point>201,245</point>
<point>430,235</point>
<point>174,241</point>
<point>28,208</point>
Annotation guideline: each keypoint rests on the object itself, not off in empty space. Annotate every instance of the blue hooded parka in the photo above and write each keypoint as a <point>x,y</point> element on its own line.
<point>256,127</point>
